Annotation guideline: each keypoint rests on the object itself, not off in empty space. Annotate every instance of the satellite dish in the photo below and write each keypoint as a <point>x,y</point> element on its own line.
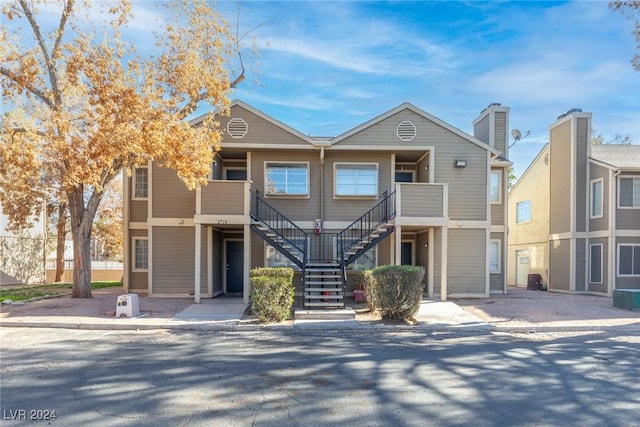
<point>515,133</point>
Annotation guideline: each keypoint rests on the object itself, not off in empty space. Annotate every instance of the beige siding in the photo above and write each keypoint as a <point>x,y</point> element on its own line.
<point>384,250</point>
<point>481,129</point>
<point>294,208</point>
<point>602,223</point>
<point>223,198</point>
<point>467,186</point>
<point>216,168</point>
<point>497,214</point>
<point>422,200</point>
<point>559,264</point>
<point>349,209</point>
<point>260,131</point>
<point>582,139</point>
<point>171,198</point>
<point>173,255</point>
<point>138,211</point>
<point>500,133</point>
<point>560,170</point>
<point>422,169</point>
<point>422,255</point>
<point>467,261</point>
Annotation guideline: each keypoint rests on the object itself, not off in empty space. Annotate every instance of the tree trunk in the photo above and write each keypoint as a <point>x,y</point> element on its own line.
<point>61,230</point>
<point>82,217</point>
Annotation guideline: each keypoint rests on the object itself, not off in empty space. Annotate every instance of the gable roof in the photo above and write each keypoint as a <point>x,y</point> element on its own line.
<point>264,116</point>
<point>544,150</point>
<point>618,156</point>
<point>420,112</point>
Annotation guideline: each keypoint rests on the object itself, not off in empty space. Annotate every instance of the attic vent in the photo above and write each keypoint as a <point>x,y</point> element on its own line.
<point>237,128</point>
<point>406,130</point>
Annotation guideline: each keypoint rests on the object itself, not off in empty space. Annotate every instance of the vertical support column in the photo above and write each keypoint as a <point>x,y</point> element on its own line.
<point>397,259</point>
<point>210,261</point>
<point>246,285</point>
<point>443,263</point>
<point>430,261</point>
<point>196,292</point>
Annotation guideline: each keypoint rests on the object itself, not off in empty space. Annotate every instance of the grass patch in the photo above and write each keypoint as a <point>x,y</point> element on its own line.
<point>27,292</point>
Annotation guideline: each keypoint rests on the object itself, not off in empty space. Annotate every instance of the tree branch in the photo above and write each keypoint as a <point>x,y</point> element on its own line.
<point>51,71</point>
<point>63,21</point>
<point>32,89</point>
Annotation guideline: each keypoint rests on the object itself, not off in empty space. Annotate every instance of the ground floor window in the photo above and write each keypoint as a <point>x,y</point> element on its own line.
<point>595,263</point>
<point>274,258</point>
<point>629,260</point>
<point>140,254</point>
<point>494,256</point>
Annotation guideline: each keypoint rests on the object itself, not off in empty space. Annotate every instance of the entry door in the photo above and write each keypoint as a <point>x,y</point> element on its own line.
<point>235,266</point>
<point>406,253</point>
<point>522,267</point>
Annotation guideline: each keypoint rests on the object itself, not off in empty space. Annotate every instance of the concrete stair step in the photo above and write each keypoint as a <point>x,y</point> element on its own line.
<point>340,314</point>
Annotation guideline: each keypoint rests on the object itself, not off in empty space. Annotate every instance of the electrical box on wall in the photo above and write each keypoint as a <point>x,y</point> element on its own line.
<point>318,227</point>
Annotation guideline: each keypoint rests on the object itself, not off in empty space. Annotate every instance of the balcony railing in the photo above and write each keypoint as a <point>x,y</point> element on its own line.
<point>421,200</point>
<point>224,198</point>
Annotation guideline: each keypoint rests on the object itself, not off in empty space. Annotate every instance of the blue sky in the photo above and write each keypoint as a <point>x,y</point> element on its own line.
<point>325,67</point>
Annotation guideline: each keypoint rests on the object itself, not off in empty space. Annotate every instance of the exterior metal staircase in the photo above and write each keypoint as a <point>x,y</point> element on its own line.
<point>323,257</point>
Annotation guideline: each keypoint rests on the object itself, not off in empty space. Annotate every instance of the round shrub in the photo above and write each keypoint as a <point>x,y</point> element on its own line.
<point>396,290</point>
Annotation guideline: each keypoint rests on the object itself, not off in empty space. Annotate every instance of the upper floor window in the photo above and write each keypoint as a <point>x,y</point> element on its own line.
<point>628,260</point>
<point>140,254</point>
<point>287,179</point>
<point>596,198</point>
<point>523,211</point>
<point>356,179</point>
<point>141,182</point>
<point>629,196</point>
<point>496,186</point>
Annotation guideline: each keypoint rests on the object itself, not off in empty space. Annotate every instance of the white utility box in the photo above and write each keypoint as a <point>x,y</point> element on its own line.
<point>128,305</point>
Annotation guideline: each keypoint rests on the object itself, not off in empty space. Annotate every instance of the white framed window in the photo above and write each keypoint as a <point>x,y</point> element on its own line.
<point>286,179</point>
<point>523,212</point>
<point>273,258</point>
<point>355,179</point>
<point>595,263</point>
<point>596,198</point>
<point>494,256</point>
<point>140,254</point>
<point>629,192</point>
<point>367,261</point>
<point>495,187</point>
<point>628,260</point>
<point>141,183</point>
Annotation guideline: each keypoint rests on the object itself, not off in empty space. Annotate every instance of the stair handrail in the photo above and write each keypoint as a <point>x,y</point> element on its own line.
<point>387,211</point>
<point>268,215</point>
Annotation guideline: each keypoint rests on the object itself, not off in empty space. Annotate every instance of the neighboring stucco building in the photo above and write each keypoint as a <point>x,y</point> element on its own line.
<point>22,254</point>
<point>402,188</point>
<point>587,198</point>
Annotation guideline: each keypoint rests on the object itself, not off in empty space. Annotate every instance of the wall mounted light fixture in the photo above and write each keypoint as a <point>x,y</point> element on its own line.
<point>460,163</point>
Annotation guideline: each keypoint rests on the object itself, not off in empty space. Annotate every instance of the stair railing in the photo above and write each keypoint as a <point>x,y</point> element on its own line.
<point>362,228</point>
<point>280,225</point>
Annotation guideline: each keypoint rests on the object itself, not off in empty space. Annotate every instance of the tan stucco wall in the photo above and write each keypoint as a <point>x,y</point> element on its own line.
<point>533,186</point>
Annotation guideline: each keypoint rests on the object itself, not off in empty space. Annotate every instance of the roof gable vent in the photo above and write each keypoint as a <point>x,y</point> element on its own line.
<point>406,130</point>
<point>237,128</point>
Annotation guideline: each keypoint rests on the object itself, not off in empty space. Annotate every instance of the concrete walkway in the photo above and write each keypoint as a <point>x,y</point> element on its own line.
<point>226,314</point>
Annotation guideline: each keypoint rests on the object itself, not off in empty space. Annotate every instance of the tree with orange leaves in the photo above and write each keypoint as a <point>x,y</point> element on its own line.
<point>82,104</point>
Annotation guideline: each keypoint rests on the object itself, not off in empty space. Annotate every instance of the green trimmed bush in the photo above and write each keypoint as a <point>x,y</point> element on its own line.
<point>272,293</point>
<point>285,273</point>
<point>395,290</point>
